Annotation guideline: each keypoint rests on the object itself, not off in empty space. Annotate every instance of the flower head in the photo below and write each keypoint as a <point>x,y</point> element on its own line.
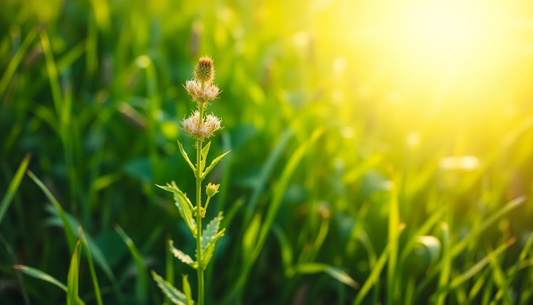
<point>207,93</point>
<point>204,71</point>
<point>209,125</point>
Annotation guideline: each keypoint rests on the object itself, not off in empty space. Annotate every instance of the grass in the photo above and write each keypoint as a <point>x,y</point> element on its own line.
<point>335,192</point>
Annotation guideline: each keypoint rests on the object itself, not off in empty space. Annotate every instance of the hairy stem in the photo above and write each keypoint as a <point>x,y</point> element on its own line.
<point>199,216</point>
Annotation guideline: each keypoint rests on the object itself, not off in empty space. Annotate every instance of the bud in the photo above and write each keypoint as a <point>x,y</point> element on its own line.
<point>204,71</point>
<point>212,189</point>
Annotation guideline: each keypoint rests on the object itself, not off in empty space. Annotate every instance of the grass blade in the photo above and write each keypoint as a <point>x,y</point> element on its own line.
<point>13,186</point>
<point>334,272</point>
<point>73,276</point>
<point>142,274</point>
<point>91,267</point>
<point>69,232</point>
<point>38,274</point>
<point>447,261</point>
<point>394,235</point>
<point>15,61</point>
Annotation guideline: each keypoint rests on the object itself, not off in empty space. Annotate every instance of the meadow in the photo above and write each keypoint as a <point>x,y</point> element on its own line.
<point>380,152</point>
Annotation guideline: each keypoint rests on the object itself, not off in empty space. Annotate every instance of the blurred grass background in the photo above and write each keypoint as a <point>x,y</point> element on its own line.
<point>359,144</point>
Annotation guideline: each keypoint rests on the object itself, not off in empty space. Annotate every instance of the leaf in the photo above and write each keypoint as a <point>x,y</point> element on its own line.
<point>13,186</point>
<point>97,292</point>
<point>38,274</point>
<point>73,276</point>
<point>460,279</point>
<point>184,205</point>
<point>210,249</point>
<point>285,246</point>
<point>69,232</point>
<point>187,290</point>
<point>182,256</point>
<point>211,230</point>
<point>96,252</point>
<point>142,277</point>
<point>186,157</point>
<point>446,258</point>
<point>203,160</point>
<point>334,272</point>
<point>209,238</point>
<point>213,163</point>
<point>177,297</point>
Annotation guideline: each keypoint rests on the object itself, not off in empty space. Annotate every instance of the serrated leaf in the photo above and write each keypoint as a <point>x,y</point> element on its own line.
<point>73,276</point>
<point>213,163</point>
<point>207,253</point>
<point>186,157</point>
<point>203,160</point>
<point>38,274</point>
<point>177,297</point>
<point>187,290</point>
<point>211,230</point>
<point>184,205</point>
<point>182,256</point>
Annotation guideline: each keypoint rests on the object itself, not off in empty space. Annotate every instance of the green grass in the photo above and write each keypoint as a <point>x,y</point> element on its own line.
<point>327,198</point>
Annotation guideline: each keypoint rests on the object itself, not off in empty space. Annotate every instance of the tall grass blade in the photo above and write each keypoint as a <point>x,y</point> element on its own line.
<point>69,231</point>
<point>73,276</point>
<point>334,272</point>
<point>15,61</point>
<point>141,284</point>
<point>96,286</point>
<point>447,262</point>
<point>13,186</point>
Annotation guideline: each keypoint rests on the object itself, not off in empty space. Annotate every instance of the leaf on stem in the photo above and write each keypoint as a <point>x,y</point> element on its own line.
<point>213,163</point>
<point>209,238</point>
<point>187,290</point>
<point>177,297</point>
<point>205,151</point>
<point>184,205</point>
<point>182,256</point>
<point>186,157</point>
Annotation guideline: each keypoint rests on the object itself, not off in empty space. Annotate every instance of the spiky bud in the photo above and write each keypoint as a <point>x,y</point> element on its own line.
<point>204,71</point>
<point>211,189</point>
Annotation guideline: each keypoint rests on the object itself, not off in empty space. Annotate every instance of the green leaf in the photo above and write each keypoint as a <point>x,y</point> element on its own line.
<point>186,157</point>
<point>97,292</point>
<point>460,279</point>
<point>13,186</point>
<point>73,276</point>
<point>69,232</point>
<point>96,252</point>
<point>184,205</point>
<point>38,274</point>
<point>142,277</point>
<point>177,297</point>
<point>203,160</point>
<point>447,261</point>
<point>182,256</point>
<point>334,272</point>
<point>187,290</point>
<point>211,230</point>
<point>213,163</point>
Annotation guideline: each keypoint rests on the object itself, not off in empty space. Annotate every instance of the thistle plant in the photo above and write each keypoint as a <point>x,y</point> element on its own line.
<point>200,127</point>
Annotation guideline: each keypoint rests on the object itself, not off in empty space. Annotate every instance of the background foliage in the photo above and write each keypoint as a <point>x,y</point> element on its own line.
<point>346,147</point>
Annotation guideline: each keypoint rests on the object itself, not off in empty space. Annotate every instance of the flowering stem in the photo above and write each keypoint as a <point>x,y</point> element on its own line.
<point>198,215</point>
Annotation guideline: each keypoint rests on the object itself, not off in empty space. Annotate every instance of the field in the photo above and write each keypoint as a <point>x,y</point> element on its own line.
<point>381,152</point>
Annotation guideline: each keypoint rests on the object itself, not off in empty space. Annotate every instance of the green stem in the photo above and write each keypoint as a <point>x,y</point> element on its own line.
<point>199,216</point>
